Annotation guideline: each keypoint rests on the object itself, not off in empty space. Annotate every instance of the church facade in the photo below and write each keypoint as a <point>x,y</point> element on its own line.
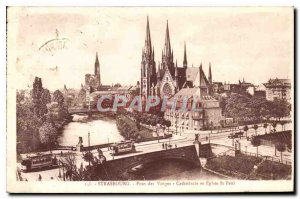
<point>166,78</point>
<point>179,83</point>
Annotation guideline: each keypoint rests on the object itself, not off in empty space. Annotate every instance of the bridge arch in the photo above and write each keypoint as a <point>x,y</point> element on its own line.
<point>119,166</point>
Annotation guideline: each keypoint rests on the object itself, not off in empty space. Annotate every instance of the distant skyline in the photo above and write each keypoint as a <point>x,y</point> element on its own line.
<point>251,43</point>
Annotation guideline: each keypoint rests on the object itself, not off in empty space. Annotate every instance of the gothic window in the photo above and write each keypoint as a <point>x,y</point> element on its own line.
<point>167,90</point>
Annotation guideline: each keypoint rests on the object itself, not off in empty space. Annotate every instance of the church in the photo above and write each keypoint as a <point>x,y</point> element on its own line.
<point>167,78</point>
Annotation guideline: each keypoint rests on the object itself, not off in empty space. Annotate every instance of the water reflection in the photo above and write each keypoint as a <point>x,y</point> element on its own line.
<point>100,132</point>
<point>170,169</point>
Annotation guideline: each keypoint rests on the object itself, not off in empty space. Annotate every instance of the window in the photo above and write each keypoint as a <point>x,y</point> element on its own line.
<point>167,90</point>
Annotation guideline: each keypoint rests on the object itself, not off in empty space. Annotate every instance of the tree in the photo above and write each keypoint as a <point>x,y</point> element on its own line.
<point>282,124</point>
<point>58,97</point>
<point>265,126</point>
<point>63,109</point>
<point>28,124</point>
<point>48,134</point>
<point>45,99</point>
<point>256,143</point>
<point>88,156</point>
<point>274,124</point>
<point>255,127</point>
<point>237,107</point>
<point>168,124</point>
<point>246,129</point>
<point>37,92</point>
<point>281,148</point>
<point>280,108</point>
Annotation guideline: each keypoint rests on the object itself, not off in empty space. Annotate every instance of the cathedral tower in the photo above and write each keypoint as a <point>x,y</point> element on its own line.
<point>148,68</point>
<point>97,71</point>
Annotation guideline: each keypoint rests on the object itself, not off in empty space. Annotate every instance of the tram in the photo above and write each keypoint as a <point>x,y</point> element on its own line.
<point>122,147</point>
<point>38,161</point>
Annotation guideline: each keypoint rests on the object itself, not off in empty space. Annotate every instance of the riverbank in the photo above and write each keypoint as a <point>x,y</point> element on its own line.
<point>244,167</point>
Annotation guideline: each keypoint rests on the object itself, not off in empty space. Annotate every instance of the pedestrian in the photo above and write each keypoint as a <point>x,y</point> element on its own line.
<point>163,145</point>
<point>61,153</point>
<point>40,177</point>
<point>175,145</point>
<point>206,138</point>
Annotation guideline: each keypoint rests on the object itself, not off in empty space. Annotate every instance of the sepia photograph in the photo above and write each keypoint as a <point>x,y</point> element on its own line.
<point>150,99</point>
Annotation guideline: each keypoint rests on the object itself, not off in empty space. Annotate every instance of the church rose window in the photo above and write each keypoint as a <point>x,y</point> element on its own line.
<point>167,90</point>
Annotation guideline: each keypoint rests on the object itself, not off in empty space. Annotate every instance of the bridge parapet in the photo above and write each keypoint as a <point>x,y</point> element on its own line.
<point>116,168</point>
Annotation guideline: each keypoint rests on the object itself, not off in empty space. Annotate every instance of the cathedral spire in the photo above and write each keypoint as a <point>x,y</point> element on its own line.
<point>97,65</point>
<point>97,60</point>
<point>167,42</point>
<point>184,57</point>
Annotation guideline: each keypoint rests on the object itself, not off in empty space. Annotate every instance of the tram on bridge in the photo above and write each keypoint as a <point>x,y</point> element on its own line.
<point>38,161</point>
<point>122,147</point>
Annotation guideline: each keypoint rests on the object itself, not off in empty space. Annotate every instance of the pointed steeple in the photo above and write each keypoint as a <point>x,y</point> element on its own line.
<point>158,72</point>
<point>153,53</point>
<point>167,42</point>
<point>97,71</point>
<point>209,74</point>
<point>200,74</point>
<point>148,45</point>
<point>97,60</point>
<point>176,70</point>
<point>184,57</point>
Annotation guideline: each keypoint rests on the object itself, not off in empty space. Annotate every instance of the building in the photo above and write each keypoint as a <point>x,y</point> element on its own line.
<point>170,80</point>
<point>278,89</point>
<point>167,78</point>
<point>93,81</point>
<point>218,87</point>
<point>207,115</point>
<point>240,87</point>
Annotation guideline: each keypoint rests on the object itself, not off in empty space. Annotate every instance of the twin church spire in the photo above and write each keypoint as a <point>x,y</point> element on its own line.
<point>152,77</point>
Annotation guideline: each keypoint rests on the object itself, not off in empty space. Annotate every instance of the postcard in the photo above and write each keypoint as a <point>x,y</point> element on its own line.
<point>150,99</point>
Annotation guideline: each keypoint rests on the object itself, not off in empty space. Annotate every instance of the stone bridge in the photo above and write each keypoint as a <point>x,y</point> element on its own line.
<point>116,168</point>
<point>89,111</point>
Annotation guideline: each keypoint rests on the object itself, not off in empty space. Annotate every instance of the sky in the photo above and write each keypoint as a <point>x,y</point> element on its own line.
<point>251,43</point>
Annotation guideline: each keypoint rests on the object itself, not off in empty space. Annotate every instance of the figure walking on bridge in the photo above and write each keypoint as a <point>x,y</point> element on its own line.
<point>163,145</point>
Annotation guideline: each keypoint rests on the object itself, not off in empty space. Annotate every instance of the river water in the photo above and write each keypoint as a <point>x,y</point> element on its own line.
<point>104,130</point>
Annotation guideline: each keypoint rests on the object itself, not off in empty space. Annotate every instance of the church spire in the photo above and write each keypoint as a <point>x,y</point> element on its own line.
<point>153,53</point>
<point>184,57</point>
<point>167,42</point>
<point>176,70</point>
<point>200,74</point>
<point>158,72</point>
<point>209,74</point>
<point>148,45</point>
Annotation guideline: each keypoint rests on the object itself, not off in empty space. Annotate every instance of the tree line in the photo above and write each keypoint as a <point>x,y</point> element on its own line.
<point>245,108</point>
<point>39,117</point>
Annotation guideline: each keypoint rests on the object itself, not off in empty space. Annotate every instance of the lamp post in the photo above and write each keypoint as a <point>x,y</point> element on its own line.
<point>211,127</point>
<point>176,122</point>
<point>107,144</point>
